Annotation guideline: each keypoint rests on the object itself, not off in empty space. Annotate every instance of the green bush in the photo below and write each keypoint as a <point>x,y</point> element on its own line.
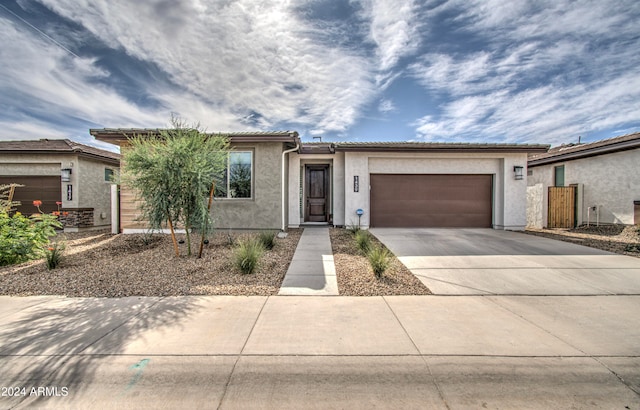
<point>380,259</point>
<point>23,238</point>
<point>363,240</point>
<point>268,239</point>
<point>247,255</point>
<point>53,255</point>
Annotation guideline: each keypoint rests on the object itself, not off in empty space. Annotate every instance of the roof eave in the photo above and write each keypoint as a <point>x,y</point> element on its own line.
<point>63,152</point>
<point>472,149</point>
<point>118,137</point>
<point>585,153</point>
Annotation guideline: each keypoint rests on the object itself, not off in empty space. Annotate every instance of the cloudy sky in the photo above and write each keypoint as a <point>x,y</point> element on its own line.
<point>360,70</point>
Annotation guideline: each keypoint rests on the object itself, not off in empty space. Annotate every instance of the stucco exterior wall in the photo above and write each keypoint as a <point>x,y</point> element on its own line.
<point>611,182</point>
<point>509,198</point>
<point>87,179</point>
<point>264,210</point>
<point>92,191</point>
<point>337,190</point>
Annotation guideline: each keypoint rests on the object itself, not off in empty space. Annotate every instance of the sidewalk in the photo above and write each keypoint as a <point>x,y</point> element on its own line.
<point>316,352</point>
<point>312,271</point>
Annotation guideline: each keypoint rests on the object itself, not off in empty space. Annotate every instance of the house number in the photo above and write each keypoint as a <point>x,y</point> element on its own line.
<point>69,192</point>
<point>356,183</point>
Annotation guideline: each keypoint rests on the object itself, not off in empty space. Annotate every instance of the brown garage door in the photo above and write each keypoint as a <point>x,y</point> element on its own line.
<point>44,188</point>
<point>460,201</point>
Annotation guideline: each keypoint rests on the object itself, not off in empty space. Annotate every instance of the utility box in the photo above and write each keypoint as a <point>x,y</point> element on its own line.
<point>636,212</point>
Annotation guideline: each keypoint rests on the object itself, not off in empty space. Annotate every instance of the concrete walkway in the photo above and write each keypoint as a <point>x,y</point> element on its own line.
<point>312,271</point>
<point>435,352</point>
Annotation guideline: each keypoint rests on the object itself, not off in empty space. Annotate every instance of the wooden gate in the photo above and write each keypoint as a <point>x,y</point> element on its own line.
<point>562,207</point>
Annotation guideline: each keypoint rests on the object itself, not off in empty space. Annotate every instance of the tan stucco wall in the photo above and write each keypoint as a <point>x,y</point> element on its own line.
<point>611,182</point>
<point>263,211</point>
<point>92,191</point>
<point>87,179</point>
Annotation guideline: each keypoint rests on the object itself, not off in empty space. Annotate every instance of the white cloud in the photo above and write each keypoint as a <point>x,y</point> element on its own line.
<point>234,58</point>
<point>56,85</point>
<point>386,106</point>
<point>544,76</point>
<point>544,114</point>
<point>394,28</point>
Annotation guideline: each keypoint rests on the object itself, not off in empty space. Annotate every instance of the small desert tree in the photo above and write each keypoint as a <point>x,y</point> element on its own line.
<point>173,173</point>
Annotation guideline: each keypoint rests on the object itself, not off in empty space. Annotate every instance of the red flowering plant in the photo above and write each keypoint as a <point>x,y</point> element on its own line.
<point>23,238</point>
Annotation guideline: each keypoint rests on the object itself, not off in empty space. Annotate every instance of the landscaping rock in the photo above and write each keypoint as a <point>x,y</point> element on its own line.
<point>356,278</point>
<point>104,265</point>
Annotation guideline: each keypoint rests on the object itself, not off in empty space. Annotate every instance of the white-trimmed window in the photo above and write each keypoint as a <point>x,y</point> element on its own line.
<point>237,179</point>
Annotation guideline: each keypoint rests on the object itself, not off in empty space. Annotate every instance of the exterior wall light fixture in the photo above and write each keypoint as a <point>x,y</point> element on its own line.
<point>65,174</point>
<point>518,171</point>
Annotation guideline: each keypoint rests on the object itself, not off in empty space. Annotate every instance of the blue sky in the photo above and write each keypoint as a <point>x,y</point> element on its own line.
<point>360,70</point>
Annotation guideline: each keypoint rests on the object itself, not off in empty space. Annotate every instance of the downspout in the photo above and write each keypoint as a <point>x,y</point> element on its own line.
<point>284,153</point>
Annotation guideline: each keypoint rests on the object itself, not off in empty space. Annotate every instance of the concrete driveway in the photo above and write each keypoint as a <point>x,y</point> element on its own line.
<point>487,261</point>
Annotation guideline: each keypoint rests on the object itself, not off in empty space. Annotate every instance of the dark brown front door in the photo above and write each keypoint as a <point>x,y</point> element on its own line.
<point>317,193</point>
<point>423,201</point>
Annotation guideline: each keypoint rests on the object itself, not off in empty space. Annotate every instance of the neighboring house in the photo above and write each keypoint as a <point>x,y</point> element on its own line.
<point>396,184</point>
<point>605,176</point>
<point>52,170</point>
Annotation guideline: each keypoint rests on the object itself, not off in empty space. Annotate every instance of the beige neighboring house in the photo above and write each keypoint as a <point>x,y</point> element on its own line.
<point>605,176</point>
<point>61,170</point>
<point>377,184</point>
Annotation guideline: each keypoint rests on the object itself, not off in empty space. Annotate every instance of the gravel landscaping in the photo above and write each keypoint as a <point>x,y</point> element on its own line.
<point>355,277</point>
<point>620,239</point>
<point>105,265</point>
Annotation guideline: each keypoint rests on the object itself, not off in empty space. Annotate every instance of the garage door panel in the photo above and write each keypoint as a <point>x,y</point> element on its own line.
<point>42,188</point>
<point>431,200</point>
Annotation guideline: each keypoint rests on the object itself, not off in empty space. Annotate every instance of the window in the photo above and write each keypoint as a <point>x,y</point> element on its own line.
<point>108,175</point>
<point>235,182</point>
<point>559,175</point>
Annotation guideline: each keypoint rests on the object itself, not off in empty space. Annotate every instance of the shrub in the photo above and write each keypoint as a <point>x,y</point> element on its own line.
<point>363,240</point>
<point>23,238</point>
<point>268,239</point>
<point>247,255</point>
<point>380,259</point>
<point>54,255</point>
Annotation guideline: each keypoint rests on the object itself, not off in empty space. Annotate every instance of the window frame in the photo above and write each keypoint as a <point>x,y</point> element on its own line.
<point>251,152</point>
<point>112,176</point>
<point>555,175</point>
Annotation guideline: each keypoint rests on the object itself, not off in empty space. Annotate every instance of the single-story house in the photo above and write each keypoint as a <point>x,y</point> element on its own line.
<point>65,175</point>
<point>378,184</point>
<point>602,180</point>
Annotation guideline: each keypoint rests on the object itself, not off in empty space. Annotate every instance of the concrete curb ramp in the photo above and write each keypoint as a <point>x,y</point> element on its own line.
<point>292,352</point>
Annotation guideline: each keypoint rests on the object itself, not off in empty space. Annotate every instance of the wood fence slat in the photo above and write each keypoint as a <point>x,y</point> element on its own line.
<point>561,212</point>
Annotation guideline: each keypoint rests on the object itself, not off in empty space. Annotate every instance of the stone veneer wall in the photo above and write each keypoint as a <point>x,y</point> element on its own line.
<point>77,218</point>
